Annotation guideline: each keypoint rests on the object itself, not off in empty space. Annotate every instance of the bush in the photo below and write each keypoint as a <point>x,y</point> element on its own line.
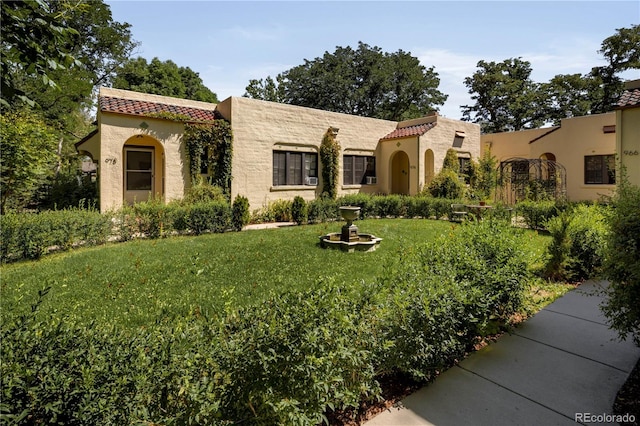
<point>364,201</point>
<point>446,184</point>
<point>31,235</point>
<point>240,213</point>
<point>299,210</point>
<point>537,213</point>
<point>576,250</point>
<point>391,205</point>
<point>622,264</point>
<point>323,209</point>
<point>152,218</point>
<point>211,216</point>
<point>204,192</point>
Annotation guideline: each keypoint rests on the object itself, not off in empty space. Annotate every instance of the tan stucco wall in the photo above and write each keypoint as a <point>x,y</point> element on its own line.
<point>628,142</point>
<point>166,136</point>
<point>576,138</point>
<point>259,127</point>
<point>442,137</point>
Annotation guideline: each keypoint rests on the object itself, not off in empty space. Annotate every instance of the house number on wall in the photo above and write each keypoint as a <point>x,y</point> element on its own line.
<point>110,160</point>
<point>631,152</point>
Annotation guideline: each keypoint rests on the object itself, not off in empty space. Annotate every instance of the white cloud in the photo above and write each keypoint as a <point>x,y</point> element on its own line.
<point>257,34</point>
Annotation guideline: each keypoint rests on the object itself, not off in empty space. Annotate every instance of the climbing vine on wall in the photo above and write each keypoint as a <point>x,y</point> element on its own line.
<point>329,160</point>
<point>215,140</point>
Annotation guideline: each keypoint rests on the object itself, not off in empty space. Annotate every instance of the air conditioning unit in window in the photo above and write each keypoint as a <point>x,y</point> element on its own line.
<point>313,181</point>
<point>372,180</point>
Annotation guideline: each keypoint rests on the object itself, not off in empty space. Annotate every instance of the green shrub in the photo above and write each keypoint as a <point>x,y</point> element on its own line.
<point>537,213</point>
<point>579,237</point>
<point>281,210</point>
<point>622,264</point>
<point>299,210</point>
<point>446,184</point>
<point>211,216</point>
<point>364,201</point>
<point>323,209</point>
<point>204,192</point>
<point>152,218</point>
<point>391,205</point>
<point>31,235</point>
<point>240,213</point>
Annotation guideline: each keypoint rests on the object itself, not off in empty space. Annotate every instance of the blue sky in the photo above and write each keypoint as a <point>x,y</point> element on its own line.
<point>229,43</point>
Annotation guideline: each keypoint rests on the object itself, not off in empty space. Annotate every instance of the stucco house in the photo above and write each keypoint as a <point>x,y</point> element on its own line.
<point>628,131</point>
<point>275,148</point>
<point>585,146</point>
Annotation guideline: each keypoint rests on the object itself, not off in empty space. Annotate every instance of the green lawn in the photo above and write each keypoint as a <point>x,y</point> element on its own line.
<point>140,282</point>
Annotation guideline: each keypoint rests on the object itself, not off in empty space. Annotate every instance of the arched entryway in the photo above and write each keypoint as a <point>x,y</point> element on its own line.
<point>428,167</point>
<point>143,169</point>
<point>399,173</point>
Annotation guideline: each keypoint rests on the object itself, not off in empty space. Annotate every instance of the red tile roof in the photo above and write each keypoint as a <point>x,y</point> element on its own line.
<point>405,132</point>
<point>629,98</point>
<point>145,108</point>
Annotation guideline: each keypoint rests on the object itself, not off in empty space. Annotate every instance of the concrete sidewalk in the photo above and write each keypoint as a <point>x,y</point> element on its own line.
<point>562,362</point>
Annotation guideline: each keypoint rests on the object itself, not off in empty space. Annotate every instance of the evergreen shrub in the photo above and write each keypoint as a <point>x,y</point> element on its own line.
<point>299,212</point>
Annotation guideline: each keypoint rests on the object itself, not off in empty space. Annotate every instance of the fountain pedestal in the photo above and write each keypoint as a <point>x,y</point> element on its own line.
<point>349,239</point>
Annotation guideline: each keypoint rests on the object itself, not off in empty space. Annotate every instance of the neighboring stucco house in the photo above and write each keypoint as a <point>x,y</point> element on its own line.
<point>585,146</point>
<point>275,148</point>
<point>628,131</point>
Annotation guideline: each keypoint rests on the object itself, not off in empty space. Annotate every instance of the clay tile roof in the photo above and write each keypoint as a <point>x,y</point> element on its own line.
<point>145,108</point>
<point>629,98</point>
<point>405,132</point>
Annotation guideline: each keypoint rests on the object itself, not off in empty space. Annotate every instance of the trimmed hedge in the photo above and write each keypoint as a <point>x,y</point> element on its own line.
<point>30,235</point>
<point>288,360</point>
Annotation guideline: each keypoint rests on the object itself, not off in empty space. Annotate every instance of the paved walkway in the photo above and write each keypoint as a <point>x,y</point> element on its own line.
<point>560,363</point>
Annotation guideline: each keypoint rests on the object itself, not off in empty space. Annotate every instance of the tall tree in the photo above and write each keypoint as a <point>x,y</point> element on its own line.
<point>34,43</point>
<point>506,97</point>
<point>365,81</point>
<point>622,52</point>
<point>267,89</point>
<point>162,78</point>
<point>571,95</point>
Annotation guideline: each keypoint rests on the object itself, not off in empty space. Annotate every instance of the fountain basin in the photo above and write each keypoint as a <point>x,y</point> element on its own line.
<point>364,242</point>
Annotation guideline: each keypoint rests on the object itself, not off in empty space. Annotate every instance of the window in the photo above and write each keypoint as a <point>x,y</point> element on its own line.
<point>295,168</point>
<point>357,168</point>
<point>465,169</point>
<point>139,169</point>
<point>600,169</point>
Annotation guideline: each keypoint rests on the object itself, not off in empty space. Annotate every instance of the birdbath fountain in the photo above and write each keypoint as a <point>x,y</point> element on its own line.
<point>349,239</point>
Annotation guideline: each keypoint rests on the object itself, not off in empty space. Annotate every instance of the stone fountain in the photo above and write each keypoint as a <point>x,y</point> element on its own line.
<point>349,239</point>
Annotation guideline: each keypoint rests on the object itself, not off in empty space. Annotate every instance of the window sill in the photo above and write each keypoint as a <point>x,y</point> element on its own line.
<point>359,186</point>
<point>293,188</point>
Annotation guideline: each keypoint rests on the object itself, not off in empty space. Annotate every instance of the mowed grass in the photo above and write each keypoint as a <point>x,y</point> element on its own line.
<point>142,282</point>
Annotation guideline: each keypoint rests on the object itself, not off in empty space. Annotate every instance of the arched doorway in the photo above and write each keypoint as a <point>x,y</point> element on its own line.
<point>428,167</point>
<point>143,169</point>
<point>400,173</point>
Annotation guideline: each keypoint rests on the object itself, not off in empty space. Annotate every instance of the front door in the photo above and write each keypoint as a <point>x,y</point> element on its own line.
<point>400,173</point>
<point>138,174</point>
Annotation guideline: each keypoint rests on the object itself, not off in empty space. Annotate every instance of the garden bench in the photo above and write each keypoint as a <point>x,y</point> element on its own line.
<point>459,213</point>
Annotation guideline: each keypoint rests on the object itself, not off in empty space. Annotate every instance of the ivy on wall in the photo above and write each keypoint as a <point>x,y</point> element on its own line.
<point>214,139</point>
<point>330,162</point>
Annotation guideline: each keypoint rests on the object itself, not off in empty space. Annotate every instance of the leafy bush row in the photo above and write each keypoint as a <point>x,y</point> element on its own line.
<point>30,235</point>
<point>326,209</point>
<point>289,360</point>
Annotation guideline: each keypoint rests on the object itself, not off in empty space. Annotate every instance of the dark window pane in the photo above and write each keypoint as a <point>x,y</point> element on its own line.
<point>347,170</point>
<point>139,160</point>
<point>294,168</point>
<point>279,168</point>
<point>138,181</point>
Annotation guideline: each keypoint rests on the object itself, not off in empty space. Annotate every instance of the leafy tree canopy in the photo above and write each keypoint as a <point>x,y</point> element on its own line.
<point>162,78</point>
<point>507,99</point>
<point>365,81</point>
